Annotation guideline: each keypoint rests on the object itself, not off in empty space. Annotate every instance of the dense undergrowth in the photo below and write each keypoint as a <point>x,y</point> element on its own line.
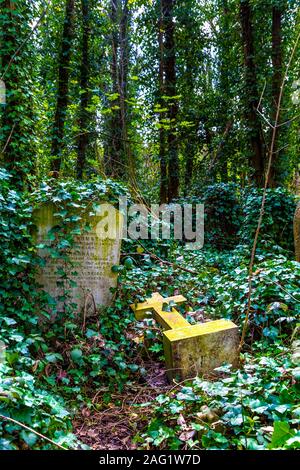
<point>50,372</point>
<point>254,408</point>
<point>257,406</point>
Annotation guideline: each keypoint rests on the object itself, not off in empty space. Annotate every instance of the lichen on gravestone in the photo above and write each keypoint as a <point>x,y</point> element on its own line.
<point>297,232</point>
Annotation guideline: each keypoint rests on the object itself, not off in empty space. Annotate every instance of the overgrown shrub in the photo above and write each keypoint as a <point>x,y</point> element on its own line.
<point>231,215</point>
<point>277,223</point>
<point>275,296</point>
<point>253,408</point>
<point>222,215</point>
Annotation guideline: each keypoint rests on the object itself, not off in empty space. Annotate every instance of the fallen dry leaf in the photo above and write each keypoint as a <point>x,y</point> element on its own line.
<point>187,435</point>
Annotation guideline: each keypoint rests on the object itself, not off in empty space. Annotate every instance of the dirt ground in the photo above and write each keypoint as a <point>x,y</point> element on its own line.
<point>114,427</point>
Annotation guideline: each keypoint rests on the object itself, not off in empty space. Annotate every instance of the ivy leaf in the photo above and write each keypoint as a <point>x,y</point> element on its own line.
<point>282,432</point>
<point>156,348</point>
<point>76,354</point>
<point>53,357</point>
<point>29,437</point>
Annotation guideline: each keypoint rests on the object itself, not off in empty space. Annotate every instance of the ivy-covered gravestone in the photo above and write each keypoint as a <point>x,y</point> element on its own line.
<point>297,232</point>
<point>77,254</point>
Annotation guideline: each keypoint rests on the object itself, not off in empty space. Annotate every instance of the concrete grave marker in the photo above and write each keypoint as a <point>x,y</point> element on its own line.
<point>191,349</point>
<point>93,258</point>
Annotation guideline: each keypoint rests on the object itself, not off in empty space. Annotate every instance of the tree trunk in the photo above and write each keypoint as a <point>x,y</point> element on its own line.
<point>128,167</point>
<point>84,115</point>
<point>118,152</point>
<point>189,167</point>
<point>251,94</point>
<point>63,87</point>
<point>189,138</point>
<point>170,88</point>
<point>16,146</point>
<point>225,105</point>
<point>276,84</point>
<point>162,137</point>
<point>8,45</point>
<point>114,156</point>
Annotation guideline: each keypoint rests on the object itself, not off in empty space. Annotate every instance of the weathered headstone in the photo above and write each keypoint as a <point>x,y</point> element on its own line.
<point>297,232</point>
<point>92,258</point>
<point>191,349</point>
<point>2,93</point>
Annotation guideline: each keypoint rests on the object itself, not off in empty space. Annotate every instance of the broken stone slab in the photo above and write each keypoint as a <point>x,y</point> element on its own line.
<point>199,349</point>
<point>191,349</point>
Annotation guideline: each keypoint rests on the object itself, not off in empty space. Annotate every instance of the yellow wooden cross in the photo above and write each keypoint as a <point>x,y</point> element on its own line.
<point>190,349</point>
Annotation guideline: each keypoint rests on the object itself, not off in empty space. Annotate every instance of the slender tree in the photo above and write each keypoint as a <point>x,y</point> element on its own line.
<point>162,134</point>
<point>62,87</point>
<point>277,77</point>
<point>251,94</point>
<point>225,119</point>
<point>118,157</point>
<point>84,115</point>
<point>17,149</point>
<point>189,62</point>
<point>169,164</point>
<point>123,87</point>
<point>170,88</point>
<point>112,149</point>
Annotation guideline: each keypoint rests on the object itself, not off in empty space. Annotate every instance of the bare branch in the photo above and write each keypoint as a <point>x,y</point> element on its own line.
<point>32,430</point>
<point>8,139</point>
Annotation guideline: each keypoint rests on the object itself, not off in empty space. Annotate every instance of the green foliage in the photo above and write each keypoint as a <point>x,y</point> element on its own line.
<point>37,358</point>
<point>222,215</point>
<point>275,297</point>
<point>231,215</point>
<point>21,397</point>
<point>72,359</point>
<point>97,353</point>
<point>245,409</point>
<point>284,437</point>
<point>219,286</point>
<point>240,409</point>
<point>34,406</point>
<point>277,224</point>
<point>67,193</point>
<point>17,71</point>
<point>134,115</point>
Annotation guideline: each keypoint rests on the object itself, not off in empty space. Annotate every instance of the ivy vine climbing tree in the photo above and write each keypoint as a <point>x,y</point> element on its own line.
<point>17,120</point>
<point>85,71</point>
<point>62,98</point>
